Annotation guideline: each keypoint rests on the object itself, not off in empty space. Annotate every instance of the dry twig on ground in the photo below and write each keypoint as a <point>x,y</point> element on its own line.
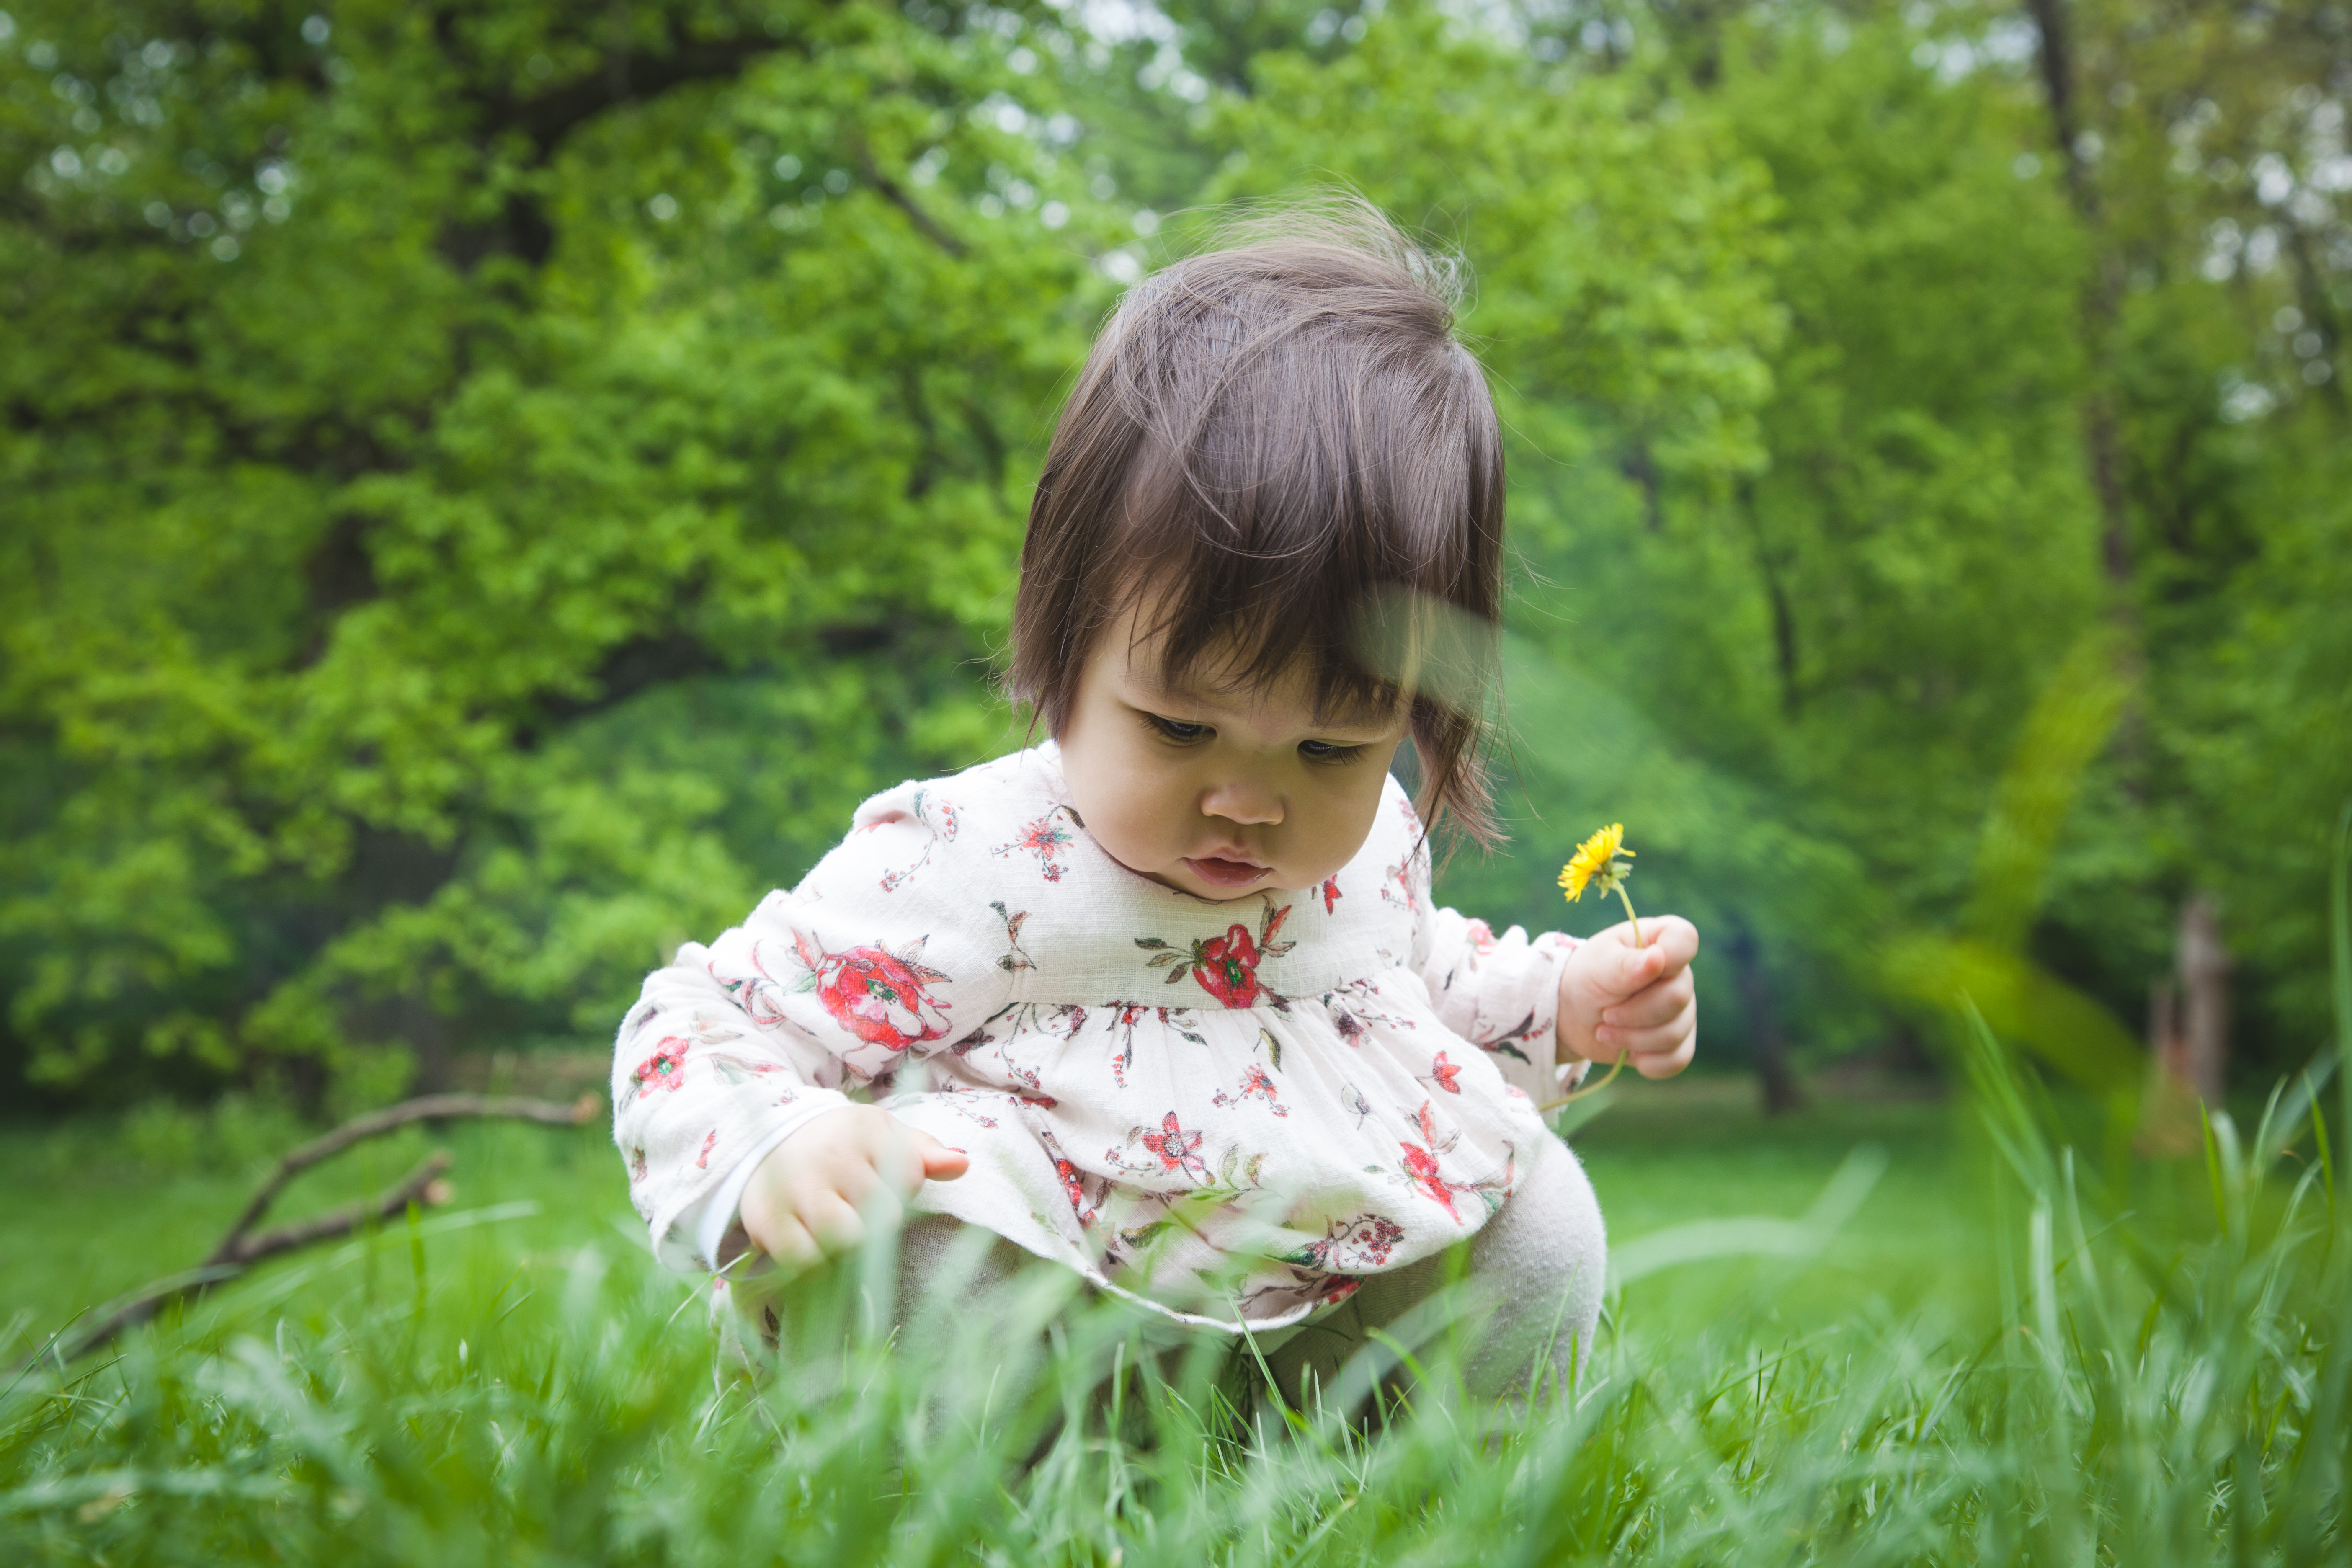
<point>240,1247</point>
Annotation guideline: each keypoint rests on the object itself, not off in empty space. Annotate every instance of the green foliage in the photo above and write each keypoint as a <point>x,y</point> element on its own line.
<point>483,490</point>
<point>514,541</point>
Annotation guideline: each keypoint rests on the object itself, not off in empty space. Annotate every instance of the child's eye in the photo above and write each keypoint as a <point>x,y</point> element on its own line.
<point>1177,728</point>
<point>1325,752</point>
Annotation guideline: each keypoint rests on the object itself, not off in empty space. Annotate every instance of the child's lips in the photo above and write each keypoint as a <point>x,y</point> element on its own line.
<point>1219,871</point>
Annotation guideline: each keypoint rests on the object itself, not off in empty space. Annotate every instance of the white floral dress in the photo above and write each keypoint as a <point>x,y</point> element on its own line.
<point>1232,1110</point>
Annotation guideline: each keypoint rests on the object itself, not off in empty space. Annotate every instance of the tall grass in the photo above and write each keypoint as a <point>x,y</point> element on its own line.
<point>2149,1391</point>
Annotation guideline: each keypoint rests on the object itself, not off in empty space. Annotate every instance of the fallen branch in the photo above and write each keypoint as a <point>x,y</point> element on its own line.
<point>376,1123</point>
<point>239,1249</point>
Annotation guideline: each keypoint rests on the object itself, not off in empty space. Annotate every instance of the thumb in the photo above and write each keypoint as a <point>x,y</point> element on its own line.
<point>940,1164</point>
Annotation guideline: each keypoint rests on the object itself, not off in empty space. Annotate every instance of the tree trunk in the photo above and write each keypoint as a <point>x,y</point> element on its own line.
<point>2102,292</point>
<point>2188,1035</point>
<point>2202,966</point>
<point>1774,1075</point>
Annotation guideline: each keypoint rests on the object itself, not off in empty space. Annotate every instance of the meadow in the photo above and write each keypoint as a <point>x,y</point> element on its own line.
<point>486,488</point>
<point>1879,1331</point>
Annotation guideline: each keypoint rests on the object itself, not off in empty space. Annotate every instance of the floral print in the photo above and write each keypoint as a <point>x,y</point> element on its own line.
<point>874,994</point>
<point>666,1068</point>
<point>1014,959</point>
<point>1177,1021</point>
<point>1045,839</point>
<point>938,816</point>
<point>1084,1190</point>
<point>1255,1081</point>
<point>1352,1245</point>
<point>1179,1151</point>
<point>1356,1010</point>
<point>1226,966</point>
<point>1502,1044</point>
<point>1304,1109</point>
<point>1426,1174</point>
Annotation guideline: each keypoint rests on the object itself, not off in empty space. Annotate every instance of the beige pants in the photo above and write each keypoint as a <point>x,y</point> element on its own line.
<point>1520,1298</point>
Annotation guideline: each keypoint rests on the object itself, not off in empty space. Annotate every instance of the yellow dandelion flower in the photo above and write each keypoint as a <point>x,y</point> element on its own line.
<point>1595,864</point>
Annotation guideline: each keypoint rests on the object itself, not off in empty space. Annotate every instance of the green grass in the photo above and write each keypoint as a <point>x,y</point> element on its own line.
<point>1975,1366</point>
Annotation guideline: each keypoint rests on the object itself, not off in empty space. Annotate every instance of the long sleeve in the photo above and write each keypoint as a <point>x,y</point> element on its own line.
<point>1499,992</point>
<point>733,1045</point>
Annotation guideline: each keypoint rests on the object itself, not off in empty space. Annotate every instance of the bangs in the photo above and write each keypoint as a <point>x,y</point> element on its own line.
<point>1270,450</point>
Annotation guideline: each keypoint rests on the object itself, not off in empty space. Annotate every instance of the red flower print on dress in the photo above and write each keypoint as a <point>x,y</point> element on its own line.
<point>1330,891</point>
<point>1255,1081</point>
<point>1074,1181</point>
<point>1422,1172</point>
<point>1226,966</point>
<point>1179,1151</point>
<point>1421,1167</point>
<point>666,1068</point>
<point>874,994</point>
<point>702,1161</point>
<point>1443,1073</point>
<point>1306,1286</point>
<point>1045,839</point>
<point>1482,937</point>
<point>1351,1246</point>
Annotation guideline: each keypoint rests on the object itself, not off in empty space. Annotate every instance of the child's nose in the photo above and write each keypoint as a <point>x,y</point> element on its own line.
<point>1246,802</point>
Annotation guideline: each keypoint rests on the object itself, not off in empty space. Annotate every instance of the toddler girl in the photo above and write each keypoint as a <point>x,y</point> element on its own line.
<point>1165,999</point>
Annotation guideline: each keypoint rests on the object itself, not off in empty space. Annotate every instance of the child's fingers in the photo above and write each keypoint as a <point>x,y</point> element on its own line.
<point>1659,1052</point>
<point>1623,969</point>
<point>836,1225</point>
<point>1655,1003</point>
<point>788,1241</point>
<point>1673,939</point>
<point>940,1164</point>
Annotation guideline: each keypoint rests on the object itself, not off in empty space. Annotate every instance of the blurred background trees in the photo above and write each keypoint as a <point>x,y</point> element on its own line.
<point>485,489</point>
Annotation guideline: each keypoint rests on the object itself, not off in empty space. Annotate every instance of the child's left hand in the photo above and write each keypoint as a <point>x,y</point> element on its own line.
<point>1640,1003</point>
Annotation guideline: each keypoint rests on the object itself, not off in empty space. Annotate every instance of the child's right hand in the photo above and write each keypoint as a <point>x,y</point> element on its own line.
<point>807,1199</point>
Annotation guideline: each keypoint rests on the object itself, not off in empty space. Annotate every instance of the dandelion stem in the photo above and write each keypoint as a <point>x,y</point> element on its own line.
<point>1628,902</point>
<point>1591,1089</point>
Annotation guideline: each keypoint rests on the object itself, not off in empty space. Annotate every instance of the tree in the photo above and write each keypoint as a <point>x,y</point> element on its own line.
<point>487,490</point>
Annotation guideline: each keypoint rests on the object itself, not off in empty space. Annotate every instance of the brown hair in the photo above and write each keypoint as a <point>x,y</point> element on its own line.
<point>1269,444</point>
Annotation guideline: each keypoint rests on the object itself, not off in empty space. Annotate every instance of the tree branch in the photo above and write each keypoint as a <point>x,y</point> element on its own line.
<point>898,197</point>
<point>376,1124</point>
<point>422,1185</point>
<point>240,1249</point>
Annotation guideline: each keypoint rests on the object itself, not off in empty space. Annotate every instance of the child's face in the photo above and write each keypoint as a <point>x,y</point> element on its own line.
<point>1218,792</point>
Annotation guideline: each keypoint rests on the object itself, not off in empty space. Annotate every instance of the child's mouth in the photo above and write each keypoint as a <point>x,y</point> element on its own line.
<point>1223,873</point>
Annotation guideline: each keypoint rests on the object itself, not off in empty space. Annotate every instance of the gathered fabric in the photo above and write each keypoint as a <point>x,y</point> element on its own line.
<point>1234,1111</point>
